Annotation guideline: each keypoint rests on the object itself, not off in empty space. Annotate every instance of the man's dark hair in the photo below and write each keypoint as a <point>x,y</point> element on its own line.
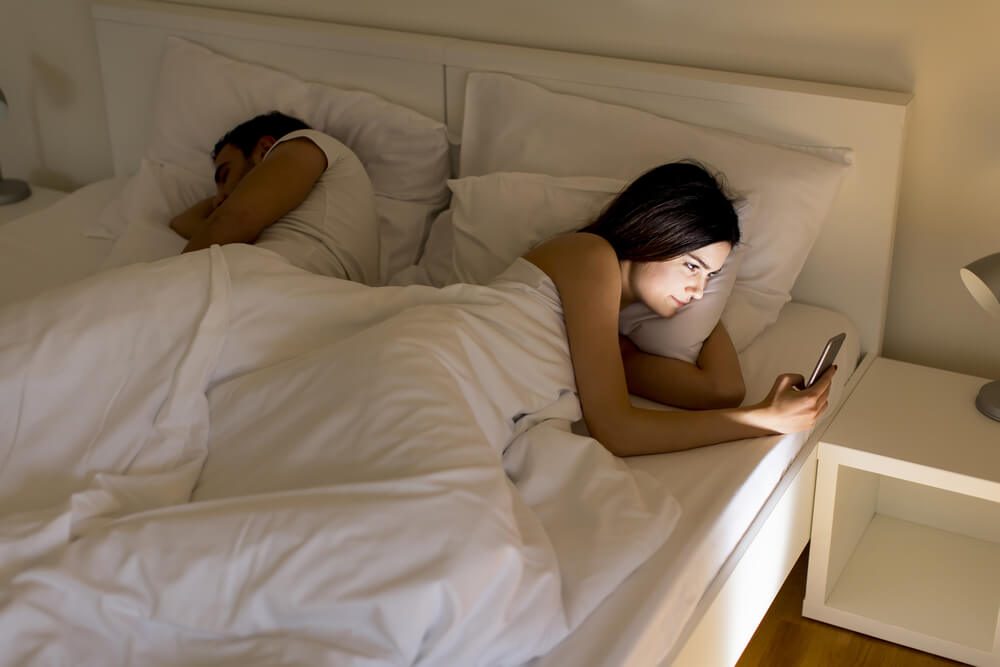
<point>246,135</point>
<point>668,211</point>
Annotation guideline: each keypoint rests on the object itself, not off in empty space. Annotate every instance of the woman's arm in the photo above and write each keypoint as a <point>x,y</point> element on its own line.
<point>587,274</point>
<point>713,381</point>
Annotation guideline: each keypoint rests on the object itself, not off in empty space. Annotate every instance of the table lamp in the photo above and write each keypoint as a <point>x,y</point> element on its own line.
<point>11,189</point>
<point>982,279</point>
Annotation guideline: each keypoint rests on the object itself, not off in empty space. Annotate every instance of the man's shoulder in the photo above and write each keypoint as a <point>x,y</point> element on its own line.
<point>334,149</point>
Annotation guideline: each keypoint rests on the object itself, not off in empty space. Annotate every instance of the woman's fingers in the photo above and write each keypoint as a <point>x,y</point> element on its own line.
<point>789,380</point>
<point>795,409</point>
<point>827,376</point>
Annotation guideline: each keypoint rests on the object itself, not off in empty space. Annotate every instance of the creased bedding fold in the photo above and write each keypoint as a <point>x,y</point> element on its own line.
<point>221,459</point>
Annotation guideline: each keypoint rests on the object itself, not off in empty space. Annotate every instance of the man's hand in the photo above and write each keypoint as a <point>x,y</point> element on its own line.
<point>274,187</point>
<point>193,220</point>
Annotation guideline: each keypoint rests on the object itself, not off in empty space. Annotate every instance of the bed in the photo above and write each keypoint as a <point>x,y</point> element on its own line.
<point>745,507</point>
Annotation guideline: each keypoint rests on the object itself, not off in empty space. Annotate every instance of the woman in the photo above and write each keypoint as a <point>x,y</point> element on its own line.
<point>659,242</point>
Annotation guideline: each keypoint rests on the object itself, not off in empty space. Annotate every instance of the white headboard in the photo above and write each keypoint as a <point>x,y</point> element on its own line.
<point>848,269</point>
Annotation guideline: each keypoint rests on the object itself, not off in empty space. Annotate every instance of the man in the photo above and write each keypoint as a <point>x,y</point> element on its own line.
<point>294,190</point>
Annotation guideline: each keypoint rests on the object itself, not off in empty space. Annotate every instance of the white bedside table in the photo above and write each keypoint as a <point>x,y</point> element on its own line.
<point>40,198</point>
<point>906,517</point>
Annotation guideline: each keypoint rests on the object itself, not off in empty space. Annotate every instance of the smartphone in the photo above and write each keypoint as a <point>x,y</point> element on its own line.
<point>825,360</point>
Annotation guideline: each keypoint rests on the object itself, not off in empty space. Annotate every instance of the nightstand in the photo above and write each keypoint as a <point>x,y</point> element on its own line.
<point>906,516</point>
<point>40,198</point>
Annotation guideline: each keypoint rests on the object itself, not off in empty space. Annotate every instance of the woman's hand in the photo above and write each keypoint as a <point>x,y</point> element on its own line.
<point>788,409</point>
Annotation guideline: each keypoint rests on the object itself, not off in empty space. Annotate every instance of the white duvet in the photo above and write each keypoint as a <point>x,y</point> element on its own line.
<point>219,459</point>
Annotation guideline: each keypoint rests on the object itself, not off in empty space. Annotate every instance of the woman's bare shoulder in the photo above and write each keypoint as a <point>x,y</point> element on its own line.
<point>573,254</point>
<point>579,241</point>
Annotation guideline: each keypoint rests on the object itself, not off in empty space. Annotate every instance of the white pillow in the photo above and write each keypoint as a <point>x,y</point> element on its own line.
<point>436,265</point>
<point>201,95</point>
<point>495,219</point>
<point>499,217</point>
<point>513,125</point>
<point>149,199</point>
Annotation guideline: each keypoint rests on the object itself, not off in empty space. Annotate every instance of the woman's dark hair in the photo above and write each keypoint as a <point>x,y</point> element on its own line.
<point>668,211</point>
<point>246,135</point>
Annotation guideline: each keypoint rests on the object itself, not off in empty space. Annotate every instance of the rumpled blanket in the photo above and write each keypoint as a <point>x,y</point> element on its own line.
<point>220,459</point>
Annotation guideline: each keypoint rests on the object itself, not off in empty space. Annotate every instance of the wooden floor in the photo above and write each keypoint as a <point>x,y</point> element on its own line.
<point>786,639</point>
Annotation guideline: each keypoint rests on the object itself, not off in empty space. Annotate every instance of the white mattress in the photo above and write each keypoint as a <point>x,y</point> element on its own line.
<point>47,248</point>
<point>720,489</point>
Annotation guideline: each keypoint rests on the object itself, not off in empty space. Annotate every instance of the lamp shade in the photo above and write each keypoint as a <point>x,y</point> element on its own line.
<point>982,279</point>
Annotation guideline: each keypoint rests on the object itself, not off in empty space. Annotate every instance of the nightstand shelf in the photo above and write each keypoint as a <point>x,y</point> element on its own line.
<point>40,198</point>
<point>942,588</point>
<point>906,519</point>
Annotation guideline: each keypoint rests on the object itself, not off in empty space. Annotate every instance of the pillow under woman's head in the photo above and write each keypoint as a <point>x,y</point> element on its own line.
<point>495,219</point>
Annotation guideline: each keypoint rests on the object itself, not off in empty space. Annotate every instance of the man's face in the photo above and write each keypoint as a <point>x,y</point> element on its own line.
<point>231,165</point>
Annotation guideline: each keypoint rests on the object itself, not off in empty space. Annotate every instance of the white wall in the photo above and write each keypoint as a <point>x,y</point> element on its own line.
<point>947,54</point>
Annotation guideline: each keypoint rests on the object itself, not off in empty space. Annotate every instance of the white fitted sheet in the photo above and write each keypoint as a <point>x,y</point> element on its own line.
<point>48,248</point>
<point>720,489</point>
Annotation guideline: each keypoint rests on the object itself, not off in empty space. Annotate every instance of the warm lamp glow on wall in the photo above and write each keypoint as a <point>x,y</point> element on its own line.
<point>11,189</point>
<point>982,278</point>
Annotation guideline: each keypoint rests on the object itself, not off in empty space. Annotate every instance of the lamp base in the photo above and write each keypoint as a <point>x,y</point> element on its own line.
<point>13,190</point>
<point>988,400</point>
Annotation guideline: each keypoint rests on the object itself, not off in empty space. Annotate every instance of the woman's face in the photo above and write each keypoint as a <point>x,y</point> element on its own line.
<point>668,286</point>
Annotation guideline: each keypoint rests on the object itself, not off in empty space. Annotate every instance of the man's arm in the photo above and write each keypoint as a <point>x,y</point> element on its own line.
<point>274,187</point>
<point>715,380</point>
<point>188,223</point>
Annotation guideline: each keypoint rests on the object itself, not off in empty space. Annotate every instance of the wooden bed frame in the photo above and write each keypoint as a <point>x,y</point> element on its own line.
<point>848,269</point>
